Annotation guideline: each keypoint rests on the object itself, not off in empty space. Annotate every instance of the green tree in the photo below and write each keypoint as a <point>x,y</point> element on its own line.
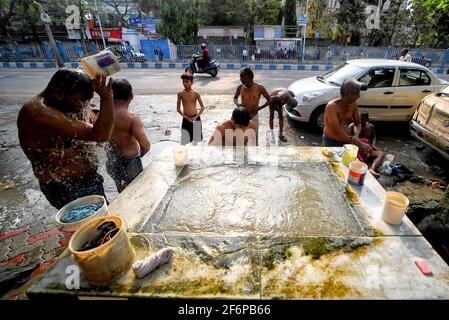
<point>146,7</point>
<point>179,21</point>
<point>430,23</point>
<point>290,22</point>
<point>268,12</point>
<point>319,19</point>
<point>7,12</point>
<point>350,19</point>
<point>121,8</point>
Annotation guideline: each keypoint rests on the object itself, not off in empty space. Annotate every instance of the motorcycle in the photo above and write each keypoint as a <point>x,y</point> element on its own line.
<point>211,68</point>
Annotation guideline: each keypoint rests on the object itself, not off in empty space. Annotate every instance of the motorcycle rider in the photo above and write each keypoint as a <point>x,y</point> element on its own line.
<point>204,58</point>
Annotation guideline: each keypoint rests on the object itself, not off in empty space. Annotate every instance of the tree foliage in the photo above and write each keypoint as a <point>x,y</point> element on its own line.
<point>148,7</point>
<point>350,19</point>
<point>430,25</point>
<point>179,21</point>
<point>268,12</point>
<point>290,18</point>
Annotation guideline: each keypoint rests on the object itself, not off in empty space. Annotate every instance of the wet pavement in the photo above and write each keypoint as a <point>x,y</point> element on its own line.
<point>28,230</point>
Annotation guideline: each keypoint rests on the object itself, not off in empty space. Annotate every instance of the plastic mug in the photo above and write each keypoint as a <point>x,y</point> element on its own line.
<point>349,153</point>
<point>104,61</point>
<point>394,208</point>
<point>180,156</point>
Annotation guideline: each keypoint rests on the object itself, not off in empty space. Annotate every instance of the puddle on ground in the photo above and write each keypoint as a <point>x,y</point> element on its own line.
<point>301,199</point>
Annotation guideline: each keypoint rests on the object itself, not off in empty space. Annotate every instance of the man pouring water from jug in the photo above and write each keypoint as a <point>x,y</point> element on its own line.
<point>340,113</point>
<point>58,132</point>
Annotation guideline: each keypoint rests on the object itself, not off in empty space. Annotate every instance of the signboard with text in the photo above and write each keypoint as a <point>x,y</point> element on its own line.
<point>302,19</point>
<point>107,33</point>
<point>142,20</point>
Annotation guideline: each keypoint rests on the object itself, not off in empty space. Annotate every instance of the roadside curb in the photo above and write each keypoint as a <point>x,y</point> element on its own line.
<point>181,65</point>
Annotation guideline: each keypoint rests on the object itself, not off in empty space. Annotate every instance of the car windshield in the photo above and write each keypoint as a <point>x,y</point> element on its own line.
<point>340,73</point>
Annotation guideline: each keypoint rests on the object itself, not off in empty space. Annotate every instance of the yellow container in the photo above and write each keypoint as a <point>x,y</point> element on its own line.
<point>349,153</point>
<point>105,263</point>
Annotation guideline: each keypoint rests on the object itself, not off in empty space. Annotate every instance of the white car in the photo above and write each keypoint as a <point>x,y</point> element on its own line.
<point>395,89</point>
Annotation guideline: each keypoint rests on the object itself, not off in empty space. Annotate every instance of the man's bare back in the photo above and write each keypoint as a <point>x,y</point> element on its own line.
<point>55,157</point>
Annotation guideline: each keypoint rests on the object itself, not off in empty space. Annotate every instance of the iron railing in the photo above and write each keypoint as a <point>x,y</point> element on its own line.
<point>71,52</point>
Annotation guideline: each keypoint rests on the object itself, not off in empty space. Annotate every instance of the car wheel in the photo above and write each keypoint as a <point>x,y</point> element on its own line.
<point>317,118</point>
<point>213,72</point>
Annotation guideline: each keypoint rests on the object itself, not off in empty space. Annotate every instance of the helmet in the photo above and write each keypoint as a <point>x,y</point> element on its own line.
<point>203,45</point>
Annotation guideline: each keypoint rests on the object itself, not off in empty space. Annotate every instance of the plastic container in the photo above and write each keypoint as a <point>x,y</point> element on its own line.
<point>349,153</point>
<point>73,226</point>
<point>180,156</point>
<point>104,61</point>
<point>107,262</point>
<point>357,173</point>
<point>394,208</point>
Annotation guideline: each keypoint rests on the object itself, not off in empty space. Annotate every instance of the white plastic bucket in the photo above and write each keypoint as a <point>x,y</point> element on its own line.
<point>180,156</point>
<point>102,264</point>
<point>357,173</point>
<point>73,226</point>
<point>394,208</point>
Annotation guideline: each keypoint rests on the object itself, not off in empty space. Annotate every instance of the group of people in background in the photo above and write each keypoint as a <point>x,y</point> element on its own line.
<point>244,123</point>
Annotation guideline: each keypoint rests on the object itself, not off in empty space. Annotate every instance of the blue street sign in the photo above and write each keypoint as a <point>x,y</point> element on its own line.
<point>150,20</point>
<point>302,19</point>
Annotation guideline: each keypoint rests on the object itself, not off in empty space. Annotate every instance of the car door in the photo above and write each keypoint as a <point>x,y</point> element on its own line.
<point>377,98</point>
<point>413,85</point>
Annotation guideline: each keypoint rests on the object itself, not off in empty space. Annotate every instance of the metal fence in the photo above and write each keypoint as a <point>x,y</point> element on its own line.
<point>71,52</point>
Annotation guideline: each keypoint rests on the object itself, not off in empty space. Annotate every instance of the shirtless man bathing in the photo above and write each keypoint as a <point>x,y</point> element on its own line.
<point>339,114</point>
<point>237,131</point>
<point>58,130</point>
<point>250,93</point>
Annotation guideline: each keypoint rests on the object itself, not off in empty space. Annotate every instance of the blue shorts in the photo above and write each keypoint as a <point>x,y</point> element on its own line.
<point>123,169</point>
<point>61,193</point>
<point>328,142</point>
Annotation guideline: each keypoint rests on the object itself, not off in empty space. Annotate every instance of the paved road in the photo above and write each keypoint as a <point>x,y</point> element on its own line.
<point>27,82</point>
<point>151,81</point>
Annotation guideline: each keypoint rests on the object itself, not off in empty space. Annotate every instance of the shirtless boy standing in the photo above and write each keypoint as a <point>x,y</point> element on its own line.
<point>129,141</point>
<point>250,93</point>
<point>191,128</point>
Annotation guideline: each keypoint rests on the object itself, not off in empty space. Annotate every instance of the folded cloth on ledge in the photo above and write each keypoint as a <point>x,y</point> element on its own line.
<point>143,267</point>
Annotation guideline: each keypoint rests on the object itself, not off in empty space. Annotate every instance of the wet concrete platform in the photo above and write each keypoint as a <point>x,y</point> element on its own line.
<point>268,223</point>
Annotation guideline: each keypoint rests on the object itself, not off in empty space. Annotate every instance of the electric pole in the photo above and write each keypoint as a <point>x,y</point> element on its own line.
<point>45,18</point>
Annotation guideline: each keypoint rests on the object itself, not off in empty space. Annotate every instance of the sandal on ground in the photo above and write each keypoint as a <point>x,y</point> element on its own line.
<point>283,138</point>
